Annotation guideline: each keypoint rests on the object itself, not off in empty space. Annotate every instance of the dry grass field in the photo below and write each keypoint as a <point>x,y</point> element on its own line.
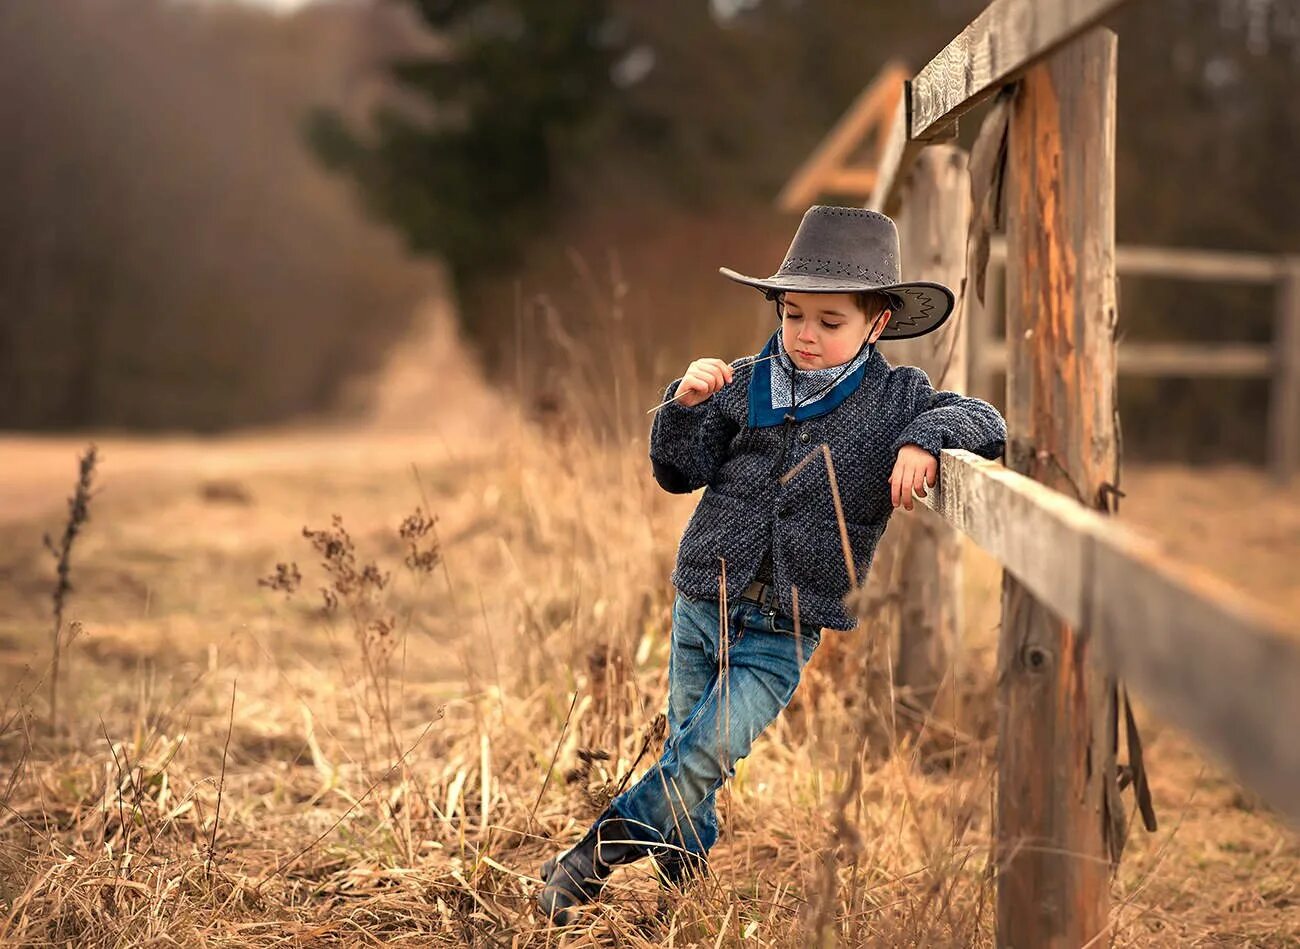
<point>386,754</point>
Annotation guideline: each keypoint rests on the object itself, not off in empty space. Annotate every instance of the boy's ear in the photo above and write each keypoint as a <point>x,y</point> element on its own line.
<point>878,327</point>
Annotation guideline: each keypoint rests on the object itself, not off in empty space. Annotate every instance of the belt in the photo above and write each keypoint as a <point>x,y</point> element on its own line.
<point>764,594</point>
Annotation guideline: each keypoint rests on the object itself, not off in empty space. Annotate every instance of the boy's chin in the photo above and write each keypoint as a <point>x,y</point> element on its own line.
<point>819,362</point>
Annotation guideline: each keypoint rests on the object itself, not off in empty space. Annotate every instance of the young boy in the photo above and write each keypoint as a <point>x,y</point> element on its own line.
<point>751,434</point>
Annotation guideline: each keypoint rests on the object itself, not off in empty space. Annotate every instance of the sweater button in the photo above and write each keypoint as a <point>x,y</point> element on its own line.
<point>784,510</point>
<point>804,437</point>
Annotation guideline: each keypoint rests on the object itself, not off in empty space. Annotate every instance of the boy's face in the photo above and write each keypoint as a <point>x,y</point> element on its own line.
<point>820,330</point>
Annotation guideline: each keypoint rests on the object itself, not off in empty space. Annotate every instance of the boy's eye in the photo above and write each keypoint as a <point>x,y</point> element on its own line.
<point>793,316</point>
<point>831,326</point>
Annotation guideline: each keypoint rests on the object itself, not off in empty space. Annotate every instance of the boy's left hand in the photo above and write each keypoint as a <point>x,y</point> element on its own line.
<point>914,470</point>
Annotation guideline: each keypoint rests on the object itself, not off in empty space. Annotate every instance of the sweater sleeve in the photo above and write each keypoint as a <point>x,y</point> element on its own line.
<point>946,419</point>
<point>688,443</point>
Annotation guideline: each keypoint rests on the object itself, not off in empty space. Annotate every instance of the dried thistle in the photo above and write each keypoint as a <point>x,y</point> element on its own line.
<point>372,577</point>
<point>348,582</point>
<point>380,642</point>
<point>413,530</point>
<point>78,515</point>
<point>286,579</point>
<point>416,525</point>
<point>337,551</point>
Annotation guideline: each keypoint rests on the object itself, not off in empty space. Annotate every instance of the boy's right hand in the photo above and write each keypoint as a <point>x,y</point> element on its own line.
<point>702,378</point>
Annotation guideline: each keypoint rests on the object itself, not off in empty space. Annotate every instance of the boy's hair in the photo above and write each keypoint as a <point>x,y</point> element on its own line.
<point>872,302</point>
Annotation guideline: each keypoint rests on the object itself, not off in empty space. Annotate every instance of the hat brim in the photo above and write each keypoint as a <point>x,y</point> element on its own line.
<point>926,305</point>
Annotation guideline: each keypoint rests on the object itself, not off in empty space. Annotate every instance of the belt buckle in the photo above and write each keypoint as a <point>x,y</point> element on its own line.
<point>767,600</point>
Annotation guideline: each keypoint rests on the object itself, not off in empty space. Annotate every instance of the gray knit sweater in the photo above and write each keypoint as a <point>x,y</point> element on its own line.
<point>745,513</point>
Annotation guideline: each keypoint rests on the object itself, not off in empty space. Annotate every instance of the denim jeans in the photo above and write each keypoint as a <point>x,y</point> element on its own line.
<point>722,693</point>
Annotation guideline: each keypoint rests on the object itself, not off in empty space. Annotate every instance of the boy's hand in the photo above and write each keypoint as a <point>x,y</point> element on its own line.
<point>701,379</point>
<point>915,469</point>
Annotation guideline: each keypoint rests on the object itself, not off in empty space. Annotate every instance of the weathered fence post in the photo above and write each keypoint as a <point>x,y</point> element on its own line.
<point>1056,756</point>
<point>932,225</point>
<point>1284,400</point>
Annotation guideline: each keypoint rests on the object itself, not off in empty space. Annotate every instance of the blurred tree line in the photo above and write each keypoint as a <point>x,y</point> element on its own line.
<point>583,167</point>
<point>170,254</point>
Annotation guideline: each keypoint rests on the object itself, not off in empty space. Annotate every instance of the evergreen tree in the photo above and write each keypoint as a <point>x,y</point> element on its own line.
<point>468,174</point>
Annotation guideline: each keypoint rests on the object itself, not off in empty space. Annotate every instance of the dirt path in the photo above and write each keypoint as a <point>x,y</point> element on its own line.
<point>38,473</point>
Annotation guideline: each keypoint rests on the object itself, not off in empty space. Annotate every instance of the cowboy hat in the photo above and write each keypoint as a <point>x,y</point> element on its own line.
<point>846,250</point>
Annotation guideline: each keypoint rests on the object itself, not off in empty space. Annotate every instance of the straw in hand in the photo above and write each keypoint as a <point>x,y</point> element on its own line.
<point>674,398</point>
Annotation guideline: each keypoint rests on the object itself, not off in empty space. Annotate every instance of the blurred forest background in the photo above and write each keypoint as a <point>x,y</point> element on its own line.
<point>214,215</point>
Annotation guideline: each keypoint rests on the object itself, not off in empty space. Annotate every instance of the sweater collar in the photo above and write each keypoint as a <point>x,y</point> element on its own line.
<point>777,390</point>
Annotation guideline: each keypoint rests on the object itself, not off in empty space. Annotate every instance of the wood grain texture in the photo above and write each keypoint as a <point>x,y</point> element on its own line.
<point>1009,37</point>
<point>1038,534</point>
<point>1240,360</point>
<point>1187,263</point>
<point>1206,657</point>
<point>1057,797</point>
<point>932,225</point>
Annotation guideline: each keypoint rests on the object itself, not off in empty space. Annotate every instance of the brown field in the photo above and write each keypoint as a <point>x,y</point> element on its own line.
<point>236,766</point>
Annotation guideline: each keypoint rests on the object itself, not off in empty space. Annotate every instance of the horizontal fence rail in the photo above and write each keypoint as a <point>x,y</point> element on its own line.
<point>998,45</point>
<point>1166,359</point>
<point>1278,360</point>
<point>1211,660</point>
<point>1185,263</point>
<point>994,50</point>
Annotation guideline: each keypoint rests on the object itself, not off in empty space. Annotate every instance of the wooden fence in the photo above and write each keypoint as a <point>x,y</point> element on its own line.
<point>1278,361</point>
<point>1087,603</point>
<point>859,157</point>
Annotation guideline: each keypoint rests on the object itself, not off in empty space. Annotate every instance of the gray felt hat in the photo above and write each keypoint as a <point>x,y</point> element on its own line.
<point>843,250</point>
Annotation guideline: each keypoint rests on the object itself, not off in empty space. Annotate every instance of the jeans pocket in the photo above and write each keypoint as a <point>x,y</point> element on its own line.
<point>784,623</point>
<point>811,636</point>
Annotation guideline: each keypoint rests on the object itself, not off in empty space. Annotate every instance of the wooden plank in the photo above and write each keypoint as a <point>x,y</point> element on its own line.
<point>1206,657</point>
<point>1138,260</point>
<point>1036,533</point>
<point>1001,43</point>
<point>897,155</point>
<point>1245,360</point>
<point>1215,265</point>
<point>932,228</point>
<point>872,109</point>
<point>853,182</point>
<point>1057,796</point>
<point>1284,401</point>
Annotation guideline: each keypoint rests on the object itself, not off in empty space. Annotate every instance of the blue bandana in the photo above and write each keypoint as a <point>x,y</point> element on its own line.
<point>778,389</point>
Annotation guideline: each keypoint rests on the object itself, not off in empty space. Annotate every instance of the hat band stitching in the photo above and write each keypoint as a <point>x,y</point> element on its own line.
<point>795,265</point>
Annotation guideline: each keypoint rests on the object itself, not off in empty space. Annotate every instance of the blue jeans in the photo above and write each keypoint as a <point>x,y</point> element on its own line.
<point>722,693</point>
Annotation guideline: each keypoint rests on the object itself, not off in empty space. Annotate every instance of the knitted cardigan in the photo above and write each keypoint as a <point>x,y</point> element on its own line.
<point>745,512</point>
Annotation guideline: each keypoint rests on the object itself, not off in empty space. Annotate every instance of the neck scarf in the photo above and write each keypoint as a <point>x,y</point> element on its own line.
<point>779,391</point>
